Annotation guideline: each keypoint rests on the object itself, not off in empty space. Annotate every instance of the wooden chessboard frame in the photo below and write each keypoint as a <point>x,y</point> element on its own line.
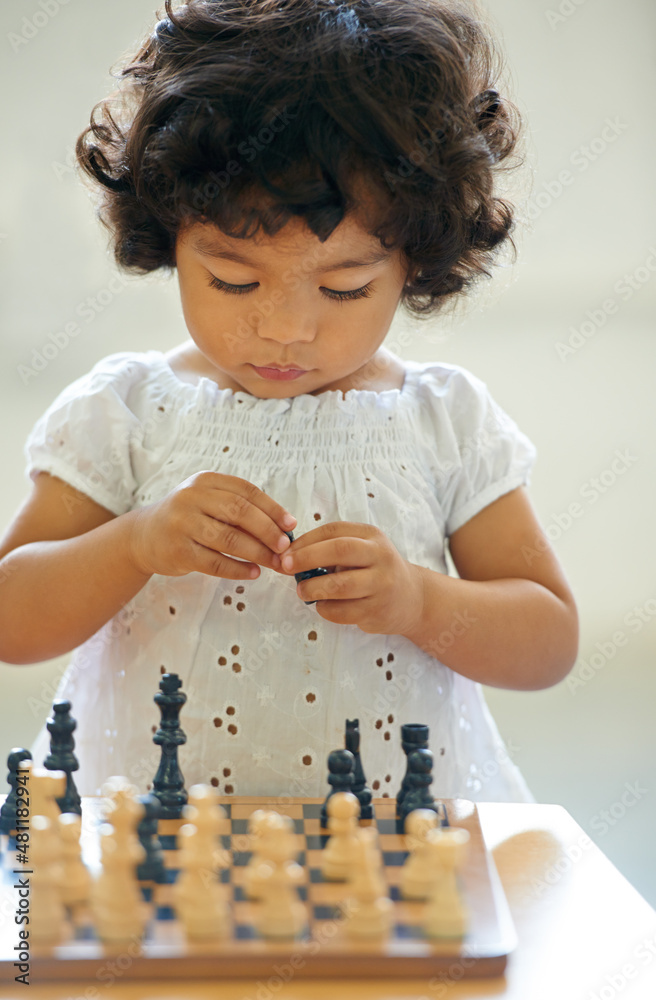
<point>325,954</point>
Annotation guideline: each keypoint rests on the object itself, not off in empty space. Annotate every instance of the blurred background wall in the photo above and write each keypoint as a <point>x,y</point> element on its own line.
<point>564,339</point>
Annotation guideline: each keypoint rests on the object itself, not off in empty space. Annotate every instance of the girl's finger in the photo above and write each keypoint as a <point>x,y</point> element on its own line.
<point>347,551</point>
<point>344,586</point>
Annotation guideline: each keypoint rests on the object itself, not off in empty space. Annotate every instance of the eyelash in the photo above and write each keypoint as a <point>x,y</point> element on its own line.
<point>355,293</point>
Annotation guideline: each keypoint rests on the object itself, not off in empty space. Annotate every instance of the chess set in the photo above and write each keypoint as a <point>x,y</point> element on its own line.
<point>181,884</point>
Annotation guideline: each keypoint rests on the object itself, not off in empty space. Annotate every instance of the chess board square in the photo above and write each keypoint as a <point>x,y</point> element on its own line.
<point>84,933</point>
<point>395,893</point>
<point>315,875</point>
<point>392,842</point>
<point>245,932</point>
<point>240,858</point>
<point>408,931</point>
<point>238,894</point>
<point>224,875</point>
<point>394,857</point>
<point>165,913</point>
<point>168,842</point>
<point>147,893</point>
<point>169,827</point>
<point>326,912</point>
<point>311,810</point>
<point>386,825</point>
<point>239,825</point>
<point>315,842</point>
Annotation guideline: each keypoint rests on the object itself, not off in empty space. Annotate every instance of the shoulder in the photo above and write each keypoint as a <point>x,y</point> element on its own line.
<point>123,370</point>
<point>447,381</point>
<point>123,380</point>
<point>460,408</point>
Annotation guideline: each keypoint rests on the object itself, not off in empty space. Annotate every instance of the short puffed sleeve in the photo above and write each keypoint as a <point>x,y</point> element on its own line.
<point>85,436</point>
<point>483,452</point>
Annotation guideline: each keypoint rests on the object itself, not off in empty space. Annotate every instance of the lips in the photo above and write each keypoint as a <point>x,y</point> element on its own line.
<point>281,368</point>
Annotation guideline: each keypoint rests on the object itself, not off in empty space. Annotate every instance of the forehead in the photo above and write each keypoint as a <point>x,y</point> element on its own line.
<point>351,243</point>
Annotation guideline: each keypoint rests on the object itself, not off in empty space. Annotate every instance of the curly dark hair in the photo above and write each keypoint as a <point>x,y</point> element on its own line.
<point>244,113</point>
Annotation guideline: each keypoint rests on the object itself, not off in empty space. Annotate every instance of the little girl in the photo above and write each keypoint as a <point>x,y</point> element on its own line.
<point>306,166</point>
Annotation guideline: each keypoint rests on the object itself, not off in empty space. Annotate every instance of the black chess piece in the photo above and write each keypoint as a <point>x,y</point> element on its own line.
<point>359,788</point>
<point>168,784</point>
<point>61,726</point>
<point>340,777</point>
<point>152,868</point>
<point>414,736</point>
<point>307,574</point>
<point>8,812</point>
<point>420,776</point>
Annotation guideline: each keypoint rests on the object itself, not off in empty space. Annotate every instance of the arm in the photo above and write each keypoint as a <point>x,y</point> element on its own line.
<point>510,621</point>
<point>65,570</point>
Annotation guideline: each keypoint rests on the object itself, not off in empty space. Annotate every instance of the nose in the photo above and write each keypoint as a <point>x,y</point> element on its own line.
<point>287,324</point>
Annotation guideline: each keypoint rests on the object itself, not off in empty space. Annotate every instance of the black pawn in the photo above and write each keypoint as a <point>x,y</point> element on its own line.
<point>8,812</point>
<point>168,784</point>
<point>61,726</point>
<point>340,778</point>
<point>359,788</point>
<point>152,867</point>
<point>307,574</point>
<point>414,736</point>
<point>420,777</point>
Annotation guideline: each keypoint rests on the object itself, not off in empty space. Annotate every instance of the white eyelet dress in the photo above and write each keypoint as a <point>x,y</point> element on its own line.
<point>270,683</point>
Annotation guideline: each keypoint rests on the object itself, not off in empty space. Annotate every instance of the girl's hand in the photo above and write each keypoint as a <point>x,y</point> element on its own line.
<point>204,521</point>
<point>376,588</point>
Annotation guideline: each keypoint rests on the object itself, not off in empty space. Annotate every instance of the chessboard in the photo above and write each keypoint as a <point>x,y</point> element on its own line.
<point>322,951</point>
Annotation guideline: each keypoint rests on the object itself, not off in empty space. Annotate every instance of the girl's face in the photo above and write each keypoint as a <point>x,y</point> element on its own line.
<point>289,301</point>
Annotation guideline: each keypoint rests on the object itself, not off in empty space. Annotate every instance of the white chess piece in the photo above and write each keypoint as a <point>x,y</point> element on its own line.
<point>44,788</point>
<point>118,907</point>
<point>445,914</point>
<point>414,876</point>
<point>369,909</point>
<point>47,915</point>
<point>76,886</point>
<point>280,914</point>
<point>258,823</point>
<point>338,855</point>
<point>199,898</point>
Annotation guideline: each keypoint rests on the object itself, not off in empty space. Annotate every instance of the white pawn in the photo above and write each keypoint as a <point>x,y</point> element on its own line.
<point>340,851</point>
<point>47,914</point>
<point>414,880</point>
<point>76,887</point>
<point>198,896</point>
<point>445,914</point>
<point>259,821</point>
<point>280,914</point>
<point>369,910</point>
<point>119,911</point>
<point>44,788</point>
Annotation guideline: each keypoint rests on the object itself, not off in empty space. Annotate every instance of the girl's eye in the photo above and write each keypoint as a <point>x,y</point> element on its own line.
<point>355,293</point>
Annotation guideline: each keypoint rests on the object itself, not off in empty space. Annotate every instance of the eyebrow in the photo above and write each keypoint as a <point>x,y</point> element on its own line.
<point>210,248</point>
